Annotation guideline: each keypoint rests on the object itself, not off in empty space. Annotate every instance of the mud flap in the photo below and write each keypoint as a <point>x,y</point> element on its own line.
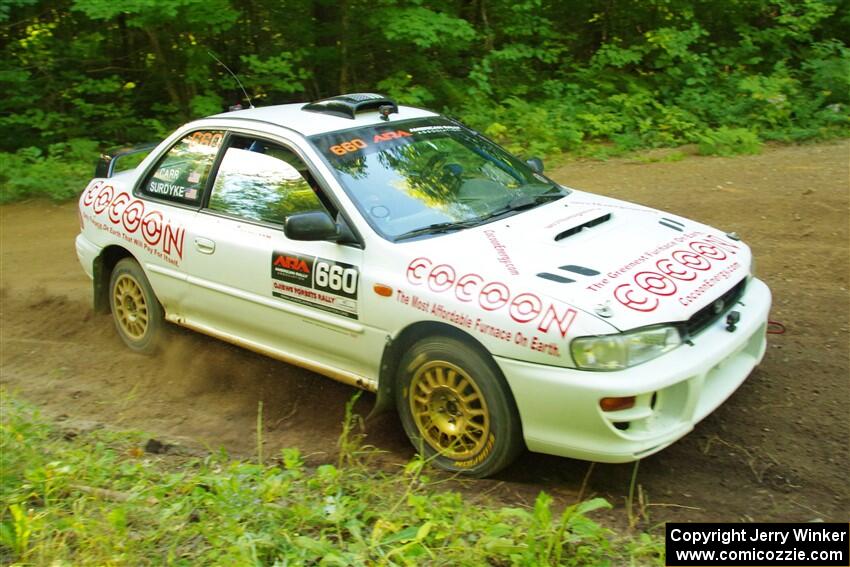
<point>100,295</point>
<point>384,397</point>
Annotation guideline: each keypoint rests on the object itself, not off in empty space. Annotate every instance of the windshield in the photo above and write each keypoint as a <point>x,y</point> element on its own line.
<point>430,175</point>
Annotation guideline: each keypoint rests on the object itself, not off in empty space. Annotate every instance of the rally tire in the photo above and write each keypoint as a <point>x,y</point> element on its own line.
<point>136,312</point>
<point>456,407</point>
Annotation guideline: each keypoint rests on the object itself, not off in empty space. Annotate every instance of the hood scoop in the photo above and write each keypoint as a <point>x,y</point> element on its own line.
<point>580,270</point>
<point>554,277</point>
<point>579,227</point>
<point>670,223</point>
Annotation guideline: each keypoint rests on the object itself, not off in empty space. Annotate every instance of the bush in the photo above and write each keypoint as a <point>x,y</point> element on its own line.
<point>59,173</point>
<point>728,142</point>
<point>539,76</point>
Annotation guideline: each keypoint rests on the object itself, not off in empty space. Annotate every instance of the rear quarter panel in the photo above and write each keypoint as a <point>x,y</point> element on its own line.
<point>154,234</point>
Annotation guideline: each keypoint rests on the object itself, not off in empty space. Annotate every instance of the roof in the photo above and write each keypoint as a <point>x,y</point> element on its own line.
<point>310,123</point>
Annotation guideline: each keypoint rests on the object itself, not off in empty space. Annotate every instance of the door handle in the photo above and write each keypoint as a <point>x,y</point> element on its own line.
<point>205,245</point>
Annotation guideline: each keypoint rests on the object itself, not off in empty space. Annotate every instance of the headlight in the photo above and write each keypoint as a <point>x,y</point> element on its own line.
<point>623,350</point>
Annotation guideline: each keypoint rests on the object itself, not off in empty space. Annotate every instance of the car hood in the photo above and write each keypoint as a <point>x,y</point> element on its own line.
<point>629,265</point>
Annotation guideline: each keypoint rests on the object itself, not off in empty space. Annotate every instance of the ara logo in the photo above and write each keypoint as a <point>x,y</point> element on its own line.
<point>292,263</point>
<point>387,136</point>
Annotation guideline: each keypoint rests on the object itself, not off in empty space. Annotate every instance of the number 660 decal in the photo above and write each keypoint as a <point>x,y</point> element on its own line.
<point>312,272</point>
<point>335,277</point>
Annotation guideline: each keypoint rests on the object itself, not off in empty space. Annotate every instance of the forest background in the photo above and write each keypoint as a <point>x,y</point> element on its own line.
<point>598,78</point>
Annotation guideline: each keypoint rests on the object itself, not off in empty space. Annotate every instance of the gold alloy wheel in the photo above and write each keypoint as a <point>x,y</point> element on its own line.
<point>130,308</point>
<point>449,410</point>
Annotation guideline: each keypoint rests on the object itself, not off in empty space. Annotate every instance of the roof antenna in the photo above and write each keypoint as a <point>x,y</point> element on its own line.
<point>238,82</point>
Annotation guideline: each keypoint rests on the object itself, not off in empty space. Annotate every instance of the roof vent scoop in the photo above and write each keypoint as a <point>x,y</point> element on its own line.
<point>348,105</point>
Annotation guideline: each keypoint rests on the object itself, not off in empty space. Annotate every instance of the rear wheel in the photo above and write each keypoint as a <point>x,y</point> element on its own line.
<point>456,406</point>
<point>135,310</point>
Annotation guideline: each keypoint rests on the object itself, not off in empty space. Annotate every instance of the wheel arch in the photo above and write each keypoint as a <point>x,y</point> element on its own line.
<point>102,270</point>
<point>407,337</point>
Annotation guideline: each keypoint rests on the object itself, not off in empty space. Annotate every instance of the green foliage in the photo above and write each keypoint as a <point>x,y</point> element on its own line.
<point>59,173</point>
<point>98,499</point>
<point>729,141</point>
<point>402,87</point>
<point>275,75</point>
<point>205,104</point>
<point>543,77</point>
<point>215,15</point>
<point>423,27</point>
<point>828,70</point>
<point>8,6</point>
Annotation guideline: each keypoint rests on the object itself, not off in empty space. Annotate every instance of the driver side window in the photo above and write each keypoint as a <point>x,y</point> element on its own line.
<point>264,182</point>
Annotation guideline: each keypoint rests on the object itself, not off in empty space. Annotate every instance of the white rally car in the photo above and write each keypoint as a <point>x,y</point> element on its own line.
<point>398,251</point>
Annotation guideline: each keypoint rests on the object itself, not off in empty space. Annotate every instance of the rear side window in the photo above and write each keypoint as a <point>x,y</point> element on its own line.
<point>264,182</point>
<point>182,173</point>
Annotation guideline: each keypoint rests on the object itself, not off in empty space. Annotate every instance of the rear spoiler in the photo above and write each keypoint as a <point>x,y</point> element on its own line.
<point>106,163</point>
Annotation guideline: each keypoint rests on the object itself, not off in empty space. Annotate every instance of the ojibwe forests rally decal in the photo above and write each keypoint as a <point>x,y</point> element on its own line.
<point>681,270</point>
<point>485,297</point>
<point>132,220</point>
<point>318,282</point>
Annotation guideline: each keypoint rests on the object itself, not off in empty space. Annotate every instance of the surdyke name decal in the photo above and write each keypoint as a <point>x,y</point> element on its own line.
<point>683,274</point>
<point>129,219</point>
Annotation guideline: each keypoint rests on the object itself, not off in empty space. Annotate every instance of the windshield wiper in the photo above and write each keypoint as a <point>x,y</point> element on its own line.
<point>522,203</point>
<point>517,204</point>
<point>436,228</point>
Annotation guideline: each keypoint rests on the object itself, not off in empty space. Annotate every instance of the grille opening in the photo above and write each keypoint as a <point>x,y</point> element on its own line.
<point>653,400</point>
<point>709,314</point>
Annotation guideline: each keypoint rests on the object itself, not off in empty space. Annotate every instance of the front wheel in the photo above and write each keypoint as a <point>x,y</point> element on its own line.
<point>135,309</point>
<point>455,406</point>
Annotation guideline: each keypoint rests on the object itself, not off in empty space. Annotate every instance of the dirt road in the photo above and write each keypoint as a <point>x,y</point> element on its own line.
<point>777,450</point>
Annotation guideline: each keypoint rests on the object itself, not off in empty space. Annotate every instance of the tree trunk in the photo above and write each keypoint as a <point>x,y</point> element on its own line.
<point>165,72</point>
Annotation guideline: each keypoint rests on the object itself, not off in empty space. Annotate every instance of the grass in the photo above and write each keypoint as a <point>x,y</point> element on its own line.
<point>97,498</point>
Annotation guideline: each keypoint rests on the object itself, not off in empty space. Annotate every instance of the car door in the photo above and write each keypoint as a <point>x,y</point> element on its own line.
<point>250,284</point>
<point>169,195</point>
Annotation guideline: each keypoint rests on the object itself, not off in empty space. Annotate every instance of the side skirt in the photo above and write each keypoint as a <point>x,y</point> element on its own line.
<point>343,376</point>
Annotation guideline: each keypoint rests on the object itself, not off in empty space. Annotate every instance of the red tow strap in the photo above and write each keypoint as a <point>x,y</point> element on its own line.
<point>775,328</point>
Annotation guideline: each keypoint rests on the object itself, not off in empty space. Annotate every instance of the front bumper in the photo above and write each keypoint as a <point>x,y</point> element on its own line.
<point>559,407</point>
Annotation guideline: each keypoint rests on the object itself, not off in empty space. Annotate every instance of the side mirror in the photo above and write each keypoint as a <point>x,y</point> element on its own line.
<point>536,164</point>
<point>315,225</point>
<point>106,163</point>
